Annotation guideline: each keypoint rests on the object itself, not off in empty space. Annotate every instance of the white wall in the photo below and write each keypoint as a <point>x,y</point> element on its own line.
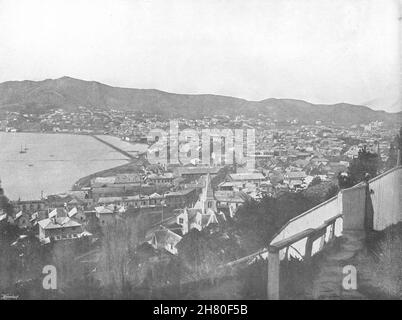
<point>386,196</point>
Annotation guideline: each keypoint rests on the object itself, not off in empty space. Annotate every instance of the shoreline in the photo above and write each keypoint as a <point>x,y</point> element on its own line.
<point>132,165</point>
<point>125,153</point>
<point>132,161</point>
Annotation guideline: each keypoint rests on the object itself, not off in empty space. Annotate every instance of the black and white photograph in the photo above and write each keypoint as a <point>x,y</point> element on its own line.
<point>200,150</point>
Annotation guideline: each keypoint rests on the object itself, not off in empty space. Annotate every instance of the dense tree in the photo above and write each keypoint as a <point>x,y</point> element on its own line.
<point>253,280</point>
<point>316,180</point>
<point>344,180</point>
<point>117,267</point>
<point>295,277</point>
<point>396,145</point>
<point>366,165</point>
<point>5,204</point>
<point>198,258</point>
<point>258,221</point>
<point>321,192</point>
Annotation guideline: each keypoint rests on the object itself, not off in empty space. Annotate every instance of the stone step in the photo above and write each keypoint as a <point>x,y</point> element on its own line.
<point>330,272</point>
<point>328,282</point>
<point>352,295</point>
<point>332,277</point>
<point>341,256</point>
<point>352,246</point>
<point>322,284</point>
<point>354,235</point>
<point>330,295</point>
<point>327,290</point>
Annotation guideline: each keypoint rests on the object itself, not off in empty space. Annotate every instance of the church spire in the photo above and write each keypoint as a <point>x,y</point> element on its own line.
<point>209,192</point>
<point>207,198</point>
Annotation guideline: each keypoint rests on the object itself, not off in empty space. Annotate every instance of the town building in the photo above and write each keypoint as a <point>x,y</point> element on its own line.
<point>247,177</point>
<point>60,228</point>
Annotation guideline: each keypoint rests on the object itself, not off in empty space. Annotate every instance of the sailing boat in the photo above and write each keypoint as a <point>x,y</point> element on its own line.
<point>22,150</point>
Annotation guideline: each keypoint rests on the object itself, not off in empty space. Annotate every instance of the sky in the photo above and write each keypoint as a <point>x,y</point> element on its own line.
<point>321,51</point>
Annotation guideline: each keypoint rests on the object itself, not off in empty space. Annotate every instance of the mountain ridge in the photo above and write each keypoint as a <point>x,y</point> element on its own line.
<point>69,93</point>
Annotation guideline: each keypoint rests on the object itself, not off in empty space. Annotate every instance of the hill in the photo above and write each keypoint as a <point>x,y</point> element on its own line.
<point>68,93</point>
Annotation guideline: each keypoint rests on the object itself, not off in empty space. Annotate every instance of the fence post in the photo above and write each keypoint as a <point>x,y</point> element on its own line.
<point>354,208</point>
<point>308,249</point>
<point>273,274</point>
<point>332,233</point>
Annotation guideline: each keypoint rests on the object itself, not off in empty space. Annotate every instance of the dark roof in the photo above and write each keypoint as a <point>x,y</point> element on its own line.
<point>179,192</point>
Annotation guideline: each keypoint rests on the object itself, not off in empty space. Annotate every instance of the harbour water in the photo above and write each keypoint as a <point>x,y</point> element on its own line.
<point>32,163</point>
